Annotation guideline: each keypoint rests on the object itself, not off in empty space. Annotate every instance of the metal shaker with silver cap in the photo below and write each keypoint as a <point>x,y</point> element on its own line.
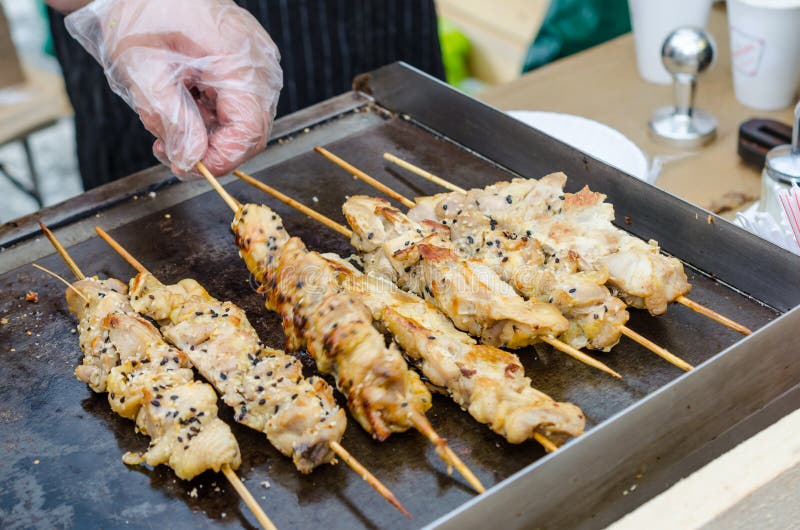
<point>687,52</point>
<point>781,171</point>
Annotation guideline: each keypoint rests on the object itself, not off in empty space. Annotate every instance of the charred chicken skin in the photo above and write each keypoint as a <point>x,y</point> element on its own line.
<point>335,327</point>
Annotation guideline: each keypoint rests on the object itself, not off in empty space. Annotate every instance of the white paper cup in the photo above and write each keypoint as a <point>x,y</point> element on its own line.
<point>765,51</point>
<point>652,21</point>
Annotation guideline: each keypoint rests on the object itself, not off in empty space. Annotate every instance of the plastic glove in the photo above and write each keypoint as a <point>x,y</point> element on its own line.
<point>203,75</point>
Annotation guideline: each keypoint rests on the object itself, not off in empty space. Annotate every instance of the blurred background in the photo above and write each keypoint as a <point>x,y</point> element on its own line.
<point>483,45</point>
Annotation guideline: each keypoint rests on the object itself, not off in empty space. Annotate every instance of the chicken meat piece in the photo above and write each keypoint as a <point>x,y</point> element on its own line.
<point>487,382</point>
<point>596,317</point>
<point>569,226</point>
<point>335,327</point>
<point>421,260</point>
<point>264,386</point>
<point>148,381</point>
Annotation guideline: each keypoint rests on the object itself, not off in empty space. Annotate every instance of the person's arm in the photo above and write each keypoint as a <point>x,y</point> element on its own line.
<point>67,6</point>
<point>203,75</point>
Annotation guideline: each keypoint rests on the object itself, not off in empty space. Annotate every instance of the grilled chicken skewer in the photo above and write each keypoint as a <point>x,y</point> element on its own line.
<point>664,280</point>
<point>335,328</point>
<point>596,318</point>
<point>264,386</point>
<point>151,383</point>
<point>487,382</point>
<point>422,259</point>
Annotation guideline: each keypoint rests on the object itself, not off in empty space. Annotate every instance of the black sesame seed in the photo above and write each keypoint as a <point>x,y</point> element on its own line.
<point>155,403</point>
<point>509,199</point>
<point>223,376</point>
<point>262,401</point>
<point>572,290</point>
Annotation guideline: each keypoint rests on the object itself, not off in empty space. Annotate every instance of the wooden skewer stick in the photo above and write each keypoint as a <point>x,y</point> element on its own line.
<point>62,252</point>
<point>655,348</point>
<point>579,355</point>
<point>349,459</point>
<point>420,422</point>
<point>691,304</point>
<point>422,173</point>
<point>330,223</point>
<point>227,197</point>
<point>229,473</point>
<point>340,451</point>
<point>61,279</point>
<point>557,344</point>
<point>364,473</point>
<point>364,177</point>
<point>713,315</point>
<point>247,497</point>
<point>546,442</point>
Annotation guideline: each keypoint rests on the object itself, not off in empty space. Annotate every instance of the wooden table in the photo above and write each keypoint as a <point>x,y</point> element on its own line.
<point>603,84</point>
<point>43,102</point>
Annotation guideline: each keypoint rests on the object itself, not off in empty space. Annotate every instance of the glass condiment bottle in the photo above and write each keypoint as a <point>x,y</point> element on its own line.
<point>781,171</point>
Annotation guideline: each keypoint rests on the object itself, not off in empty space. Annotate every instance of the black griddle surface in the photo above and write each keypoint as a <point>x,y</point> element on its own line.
<point>62,444</point>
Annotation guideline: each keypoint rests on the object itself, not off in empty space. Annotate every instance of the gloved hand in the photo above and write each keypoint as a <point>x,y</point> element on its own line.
<point>203,75</point>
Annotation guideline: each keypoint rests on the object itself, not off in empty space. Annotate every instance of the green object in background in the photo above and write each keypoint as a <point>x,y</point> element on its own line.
<point>455,52</point>
<point>571,26</point>
<point>48,43</point>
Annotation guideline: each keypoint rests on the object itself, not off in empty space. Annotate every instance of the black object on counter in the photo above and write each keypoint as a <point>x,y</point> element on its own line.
<point>758,136</point>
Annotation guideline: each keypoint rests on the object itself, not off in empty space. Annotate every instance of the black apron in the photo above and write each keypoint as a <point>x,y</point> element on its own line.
<point>323,45</point>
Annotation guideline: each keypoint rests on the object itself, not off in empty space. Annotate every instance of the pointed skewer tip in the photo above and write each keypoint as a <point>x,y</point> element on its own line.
<point>368,477</point>
<point>713,315</point>
<point>444,451</point>
<point>655,348</point>
<point>247,497</point>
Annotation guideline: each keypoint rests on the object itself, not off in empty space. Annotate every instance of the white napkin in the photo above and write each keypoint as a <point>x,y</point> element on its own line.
<point>766,227</point>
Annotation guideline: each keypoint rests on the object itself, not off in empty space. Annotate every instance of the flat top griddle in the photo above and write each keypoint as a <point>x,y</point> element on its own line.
<point>62,444</point>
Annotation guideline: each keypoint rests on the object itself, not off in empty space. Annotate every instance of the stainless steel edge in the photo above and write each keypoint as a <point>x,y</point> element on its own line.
<point>159,177</point>
<point>588,483</point>
<point>709,243</point>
